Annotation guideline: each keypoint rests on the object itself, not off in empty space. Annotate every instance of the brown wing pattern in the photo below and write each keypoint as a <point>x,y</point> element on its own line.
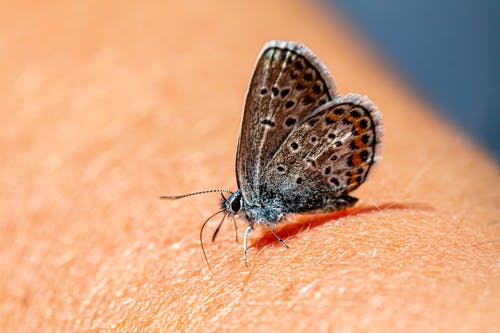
<point>287,84</point>
<point>330,152</point>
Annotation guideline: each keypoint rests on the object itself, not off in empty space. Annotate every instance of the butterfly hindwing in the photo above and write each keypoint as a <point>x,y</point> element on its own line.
<point>326,156</point>
<point>287,84</point>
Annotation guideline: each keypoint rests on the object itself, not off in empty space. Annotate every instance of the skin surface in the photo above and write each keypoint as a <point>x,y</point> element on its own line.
<point>105,107</point>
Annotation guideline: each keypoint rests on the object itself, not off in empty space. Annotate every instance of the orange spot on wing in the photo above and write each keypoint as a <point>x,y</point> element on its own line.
<point>358,127</point>
<point>349,118</point>
<point>332,117</point>
<point>356,159</point>
<point>353,182</point>
<point>359,142</point>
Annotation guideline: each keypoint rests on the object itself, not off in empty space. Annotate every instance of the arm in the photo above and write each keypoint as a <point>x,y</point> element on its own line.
<point>86,244</point>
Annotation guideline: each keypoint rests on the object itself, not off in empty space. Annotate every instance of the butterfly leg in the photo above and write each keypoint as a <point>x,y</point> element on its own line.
<point>277,236</point>
<point>235,228</point>
<point>248,230</point>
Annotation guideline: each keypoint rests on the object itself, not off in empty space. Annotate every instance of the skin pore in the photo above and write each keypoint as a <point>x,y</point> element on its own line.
<point>103,113</point>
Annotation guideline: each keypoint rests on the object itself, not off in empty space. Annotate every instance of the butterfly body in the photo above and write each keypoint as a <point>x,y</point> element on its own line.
<point>272,211</point>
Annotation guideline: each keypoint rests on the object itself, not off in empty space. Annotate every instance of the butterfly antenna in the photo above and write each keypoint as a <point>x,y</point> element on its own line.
<point>218,227</point>
<point>174,197</point>
<point>201,235</point>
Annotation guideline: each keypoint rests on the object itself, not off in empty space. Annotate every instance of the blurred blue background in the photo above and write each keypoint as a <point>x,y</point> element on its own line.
<point>449,50</point>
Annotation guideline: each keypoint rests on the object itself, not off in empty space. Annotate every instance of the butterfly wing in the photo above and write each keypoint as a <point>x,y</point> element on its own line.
<point>288,82</point>
<point>326,156</point>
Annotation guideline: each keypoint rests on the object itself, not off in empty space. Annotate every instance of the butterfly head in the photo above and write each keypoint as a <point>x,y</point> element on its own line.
<point>233,204</point>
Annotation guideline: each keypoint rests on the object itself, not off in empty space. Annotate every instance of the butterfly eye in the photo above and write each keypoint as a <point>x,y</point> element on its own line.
<point>236,205</point>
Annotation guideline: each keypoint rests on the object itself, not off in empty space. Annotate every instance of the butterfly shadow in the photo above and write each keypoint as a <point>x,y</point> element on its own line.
<point>305,222</point>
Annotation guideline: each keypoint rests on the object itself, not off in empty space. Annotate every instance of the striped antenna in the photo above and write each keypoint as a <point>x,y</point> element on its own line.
<point>174,197</point>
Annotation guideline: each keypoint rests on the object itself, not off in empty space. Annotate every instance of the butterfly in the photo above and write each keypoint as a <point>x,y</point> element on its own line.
<point>302,147</point>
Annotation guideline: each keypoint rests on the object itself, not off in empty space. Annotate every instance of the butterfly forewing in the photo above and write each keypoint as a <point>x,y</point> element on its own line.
<point>327,155</point>
<point>287,84</point>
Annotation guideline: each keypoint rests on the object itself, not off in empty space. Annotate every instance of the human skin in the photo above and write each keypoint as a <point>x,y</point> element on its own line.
<point>104,108</point>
